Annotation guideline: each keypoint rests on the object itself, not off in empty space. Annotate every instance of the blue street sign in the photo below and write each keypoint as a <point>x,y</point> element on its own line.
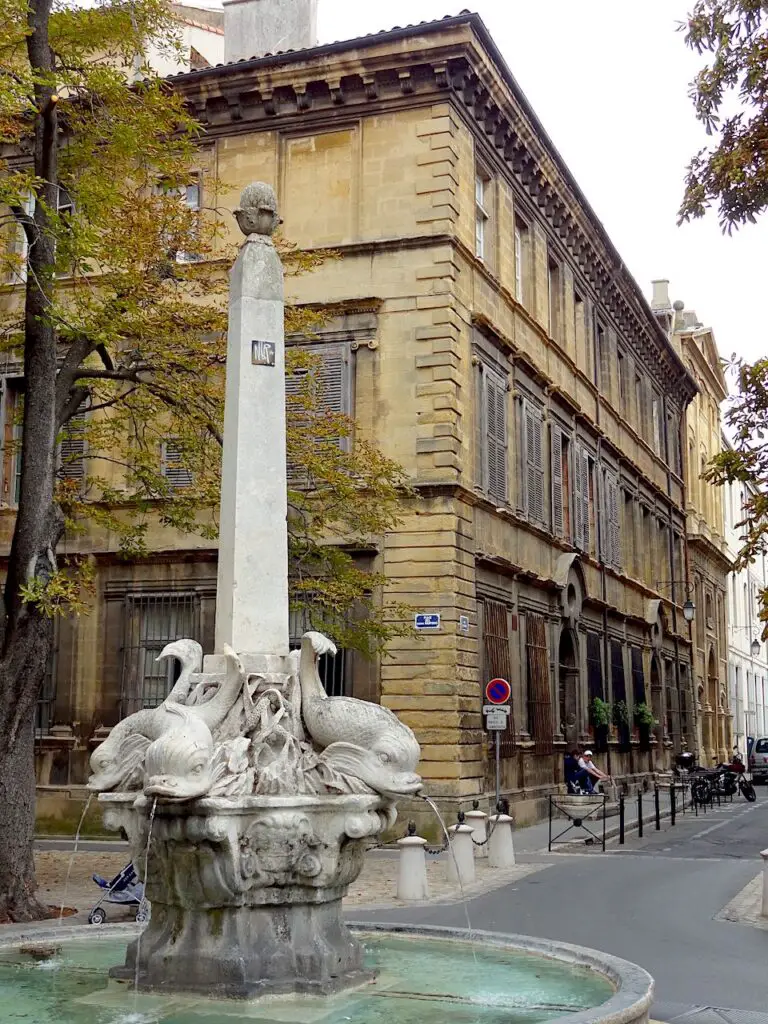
<point>427,620</point>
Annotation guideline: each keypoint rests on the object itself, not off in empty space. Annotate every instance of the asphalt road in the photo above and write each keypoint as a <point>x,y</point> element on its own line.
<point>652,901</point>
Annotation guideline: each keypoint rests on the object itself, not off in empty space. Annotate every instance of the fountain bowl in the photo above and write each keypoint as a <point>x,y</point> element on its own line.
<point>425,975</point>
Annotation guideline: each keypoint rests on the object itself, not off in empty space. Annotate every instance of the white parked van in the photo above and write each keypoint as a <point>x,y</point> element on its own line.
<point>758,760</point>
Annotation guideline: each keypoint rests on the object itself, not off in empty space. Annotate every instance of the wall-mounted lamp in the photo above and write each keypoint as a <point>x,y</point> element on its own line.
<point>689,610</point>
<point>755,647</point>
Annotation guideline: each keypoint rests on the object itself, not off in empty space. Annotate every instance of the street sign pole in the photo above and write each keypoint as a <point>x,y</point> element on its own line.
<point>498,770</point>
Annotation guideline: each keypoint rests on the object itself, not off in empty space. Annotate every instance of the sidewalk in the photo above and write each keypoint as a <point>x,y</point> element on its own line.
<point>534,838</point>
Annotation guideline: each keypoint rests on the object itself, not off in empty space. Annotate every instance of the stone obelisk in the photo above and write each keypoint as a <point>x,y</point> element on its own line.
<point>252,590</point>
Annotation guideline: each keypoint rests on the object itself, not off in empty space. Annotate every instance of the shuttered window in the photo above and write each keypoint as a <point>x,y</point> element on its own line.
<point>556,473</point>
<point>494,411</point>
<point>619,687</point>
<point>539,691</point>
<point>72,448</point>
<point>497,662</point>
<point>595,686</point>
<point>610,520</point>
<point>174,470</point>
<point>581,490</point>
<point>326,385</point>
<point>534,462</point>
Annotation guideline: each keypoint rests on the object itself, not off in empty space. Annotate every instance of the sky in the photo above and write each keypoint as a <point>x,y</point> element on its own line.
<point>609,81</point>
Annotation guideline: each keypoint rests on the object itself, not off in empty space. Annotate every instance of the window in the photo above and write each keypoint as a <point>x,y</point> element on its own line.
<point>656,416</point>
<point>492,409</point>
<point>541,718</point>
<point>150,621</point>
<point>674,457</point>
<point>12,413</point>
<point>619,692</point>
<point>629,553</point>
<point>173,468</point>
<point>534,462</point>
<point>496,661</point>
<point>482,215</point>
<point>18,247</point>
<point>610,522</point>
<point>639,404</point>
<point>72,448</point>
<point>332,669</point>
<point>603,360</point>
<point>522,263</point>
<point>580,332</point>
<point>623,381</point>
<point>561,481</point>
<point>583,529</point>
<point>191,196</point>
<point>323,386</point>
<point>555,285</point>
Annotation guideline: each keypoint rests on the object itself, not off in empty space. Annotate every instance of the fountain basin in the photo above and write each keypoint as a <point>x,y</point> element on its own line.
<point>423,976</point>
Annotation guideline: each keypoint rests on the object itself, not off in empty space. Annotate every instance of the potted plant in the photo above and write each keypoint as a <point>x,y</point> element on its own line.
<point>621,721</point>
<point>645,721</point>
<point>600,715</point>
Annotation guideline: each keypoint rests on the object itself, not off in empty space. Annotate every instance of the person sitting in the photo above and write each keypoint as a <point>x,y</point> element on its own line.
<point>577,778</point>
<point>588,765</point>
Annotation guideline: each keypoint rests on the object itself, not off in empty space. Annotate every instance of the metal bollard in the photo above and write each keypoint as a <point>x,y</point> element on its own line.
<point>412,868</point>
<point>639,814</point>
<point>461,858</point>
<point>478,820</point>
<point>672,803</point>
<point>656,806</point>
<point>621,820</point>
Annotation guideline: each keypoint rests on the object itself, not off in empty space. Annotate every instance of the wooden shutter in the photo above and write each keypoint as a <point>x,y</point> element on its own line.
<point>556,472</point>
<point>534,459</point>
<point>619,687</point>
<point>73,447</point>
<point>638,677</point>
<point>594,667</point>
<point>539,691</point>
<point>614,522</point>
<point>329,380</point>
<point>578,497</point>
<point>497,662</point>
<point>174,471</point>
<point>495,435</point>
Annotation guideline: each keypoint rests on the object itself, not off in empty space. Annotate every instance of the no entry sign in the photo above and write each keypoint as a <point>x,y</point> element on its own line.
<point>498,691</point>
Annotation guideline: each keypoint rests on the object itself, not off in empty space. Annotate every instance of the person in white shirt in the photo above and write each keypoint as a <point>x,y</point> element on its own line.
<point>586,762</point>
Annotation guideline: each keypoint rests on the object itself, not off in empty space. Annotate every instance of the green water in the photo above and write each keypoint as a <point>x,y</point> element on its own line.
<point>420,981</point>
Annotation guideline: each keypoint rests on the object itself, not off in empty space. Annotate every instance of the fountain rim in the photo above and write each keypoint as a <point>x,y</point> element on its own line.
<point>630,1002</point>
<point>248,803</point>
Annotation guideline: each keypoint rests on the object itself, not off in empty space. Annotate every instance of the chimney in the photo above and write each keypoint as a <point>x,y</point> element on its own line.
<point>255,27</point>
<point>660,298</point>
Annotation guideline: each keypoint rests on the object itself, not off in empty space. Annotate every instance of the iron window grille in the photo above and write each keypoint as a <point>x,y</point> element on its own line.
<point>150,621</point>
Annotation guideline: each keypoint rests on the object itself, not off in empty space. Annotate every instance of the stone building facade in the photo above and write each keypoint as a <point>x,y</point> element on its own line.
<point>747,671</point>
<point>709,564</point>
<point>489,337</point>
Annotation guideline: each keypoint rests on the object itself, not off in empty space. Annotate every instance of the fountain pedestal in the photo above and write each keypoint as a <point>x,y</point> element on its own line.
<point>246,892</point>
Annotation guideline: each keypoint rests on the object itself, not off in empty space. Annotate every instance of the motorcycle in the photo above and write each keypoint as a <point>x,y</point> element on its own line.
<point>732,777</point>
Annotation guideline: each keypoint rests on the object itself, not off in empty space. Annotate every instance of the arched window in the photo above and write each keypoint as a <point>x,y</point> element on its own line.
<point>708,606</point>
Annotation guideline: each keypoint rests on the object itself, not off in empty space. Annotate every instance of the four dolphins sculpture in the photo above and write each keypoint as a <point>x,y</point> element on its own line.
<point>174,743</point>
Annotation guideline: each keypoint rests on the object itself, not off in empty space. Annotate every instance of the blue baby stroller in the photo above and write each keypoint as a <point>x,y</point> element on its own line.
<point>124,889</point>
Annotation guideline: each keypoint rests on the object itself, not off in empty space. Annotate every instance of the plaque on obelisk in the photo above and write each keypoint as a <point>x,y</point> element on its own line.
<point>252,590</point>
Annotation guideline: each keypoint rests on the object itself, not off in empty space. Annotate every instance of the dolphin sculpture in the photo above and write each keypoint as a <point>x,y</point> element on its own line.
<point>107,761</point>
<point>361,739</point>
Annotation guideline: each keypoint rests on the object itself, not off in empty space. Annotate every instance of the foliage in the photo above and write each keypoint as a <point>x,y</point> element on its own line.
<point>118,330</point>
<point>600,712</point>
<point>644,716</point>
<point>138,304</point>
<point>620,713</point>
<point>746,463</point>
<point>733,172</point>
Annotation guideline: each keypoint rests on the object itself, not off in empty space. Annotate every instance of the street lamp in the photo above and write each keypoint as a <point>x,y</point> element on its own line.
<point>689,608</point>
<point>755,648</point>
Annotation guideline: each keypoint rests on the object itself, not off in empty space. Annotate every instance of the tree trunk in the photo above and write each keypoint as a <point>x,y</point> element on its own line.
<point>17,824</point>
<point>27,633</point>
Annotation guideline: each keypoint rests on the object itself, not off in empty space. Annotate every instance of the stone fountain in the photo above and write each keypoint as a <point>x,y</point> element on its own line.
<point>249,796</point>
